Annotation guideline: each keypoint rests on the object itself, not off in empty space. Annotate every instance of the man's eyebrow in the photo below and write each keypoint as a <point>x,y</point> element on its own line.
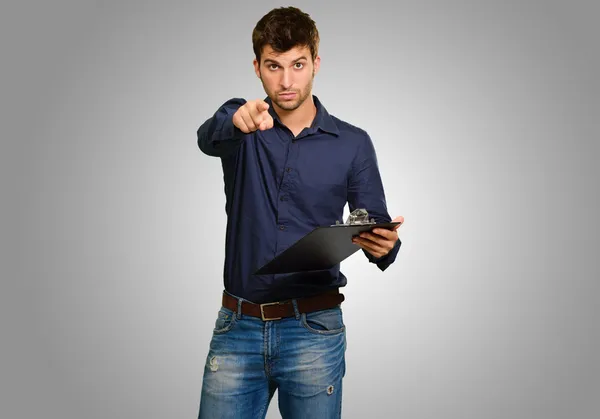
<point>275,62</point>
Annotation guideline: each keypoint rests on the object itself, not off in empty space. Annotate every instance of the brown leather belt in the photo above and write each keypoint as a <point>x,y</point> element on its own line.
<point>280,309</point>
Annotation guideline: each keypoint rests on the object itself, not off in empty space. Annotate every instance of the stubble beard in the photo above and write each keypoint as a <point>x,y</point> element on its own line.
<point>290,105</point>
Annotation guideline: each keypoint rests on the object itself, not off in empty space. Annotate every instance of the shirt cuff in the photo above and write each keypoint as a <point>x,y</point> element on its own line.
<point>386,260</point>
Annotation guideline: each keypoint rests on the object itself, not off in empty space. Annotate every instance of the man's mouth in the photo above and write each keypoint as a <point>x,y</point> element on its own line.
<point>287,95</point>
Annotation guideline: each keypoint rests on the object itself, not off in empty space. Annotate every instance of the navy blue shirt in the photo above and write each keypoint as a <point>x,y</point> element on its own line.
<point>278,188</point>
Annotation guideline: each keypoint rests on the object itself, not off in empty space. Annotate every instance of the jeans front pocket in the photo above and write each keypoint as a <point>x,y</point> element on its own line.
<point>226,319</point>
<point>324,322</point>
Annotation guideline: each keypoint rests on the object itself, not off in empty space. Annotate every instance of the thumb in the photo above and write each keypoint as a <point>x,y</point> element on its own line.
<point>399,219</point>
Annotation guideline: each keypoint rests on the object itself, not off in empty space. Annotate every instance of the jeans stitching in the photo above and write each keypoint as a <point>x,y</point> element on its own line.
<point>227,328</point>
<point>265,348</point>
<point>305,325</point>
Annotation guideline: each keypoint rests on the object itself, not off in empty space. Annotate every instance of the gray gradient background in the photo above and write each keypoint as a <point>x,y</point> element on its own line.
<point>485,117</point>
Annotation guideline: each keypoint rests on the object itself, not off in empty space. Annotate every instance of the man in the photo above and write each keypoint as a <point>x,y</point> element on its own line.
<point>289,166</point>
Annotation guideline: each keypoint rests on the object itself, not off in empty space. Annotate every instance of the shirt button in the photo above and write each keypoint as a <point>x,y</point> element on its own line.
<point>283,198</point>
<point>288,169</point>
<point>282,227</point>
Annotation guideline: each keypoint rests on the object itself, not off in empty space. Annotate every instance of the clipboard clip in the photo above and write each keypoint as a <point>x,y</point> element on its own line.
<point>359,216</point>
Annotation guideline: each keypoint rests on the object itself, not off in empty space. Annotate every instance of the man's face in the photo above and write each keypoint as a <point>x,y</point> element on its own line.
<point>290,72</point>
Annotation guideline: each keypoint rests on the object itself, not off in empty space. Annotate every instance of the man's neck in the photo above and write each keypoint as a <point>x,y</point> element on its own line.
<point>298,118</point>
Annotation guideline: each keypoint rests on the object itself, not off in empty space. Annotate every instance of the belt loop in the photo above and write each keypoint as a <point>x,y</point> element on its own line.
<point>296,311</point>
<point>239,309</point>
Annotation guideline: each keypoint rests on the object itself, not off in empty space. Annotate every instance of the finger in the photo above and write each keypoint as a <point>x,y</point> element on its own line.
<point>373,245</point>
<point>258,119</point>
<point>268,121</point>
<point>259,106</point>
<point>385,233</point>
<point>238,121</point>
<point>399,219</point>
<point>248,121</point>
<point>375,238</point>
<point>374,250</point>
<point>265,123</point>
<point>262,106</point>
<point>244,128</point>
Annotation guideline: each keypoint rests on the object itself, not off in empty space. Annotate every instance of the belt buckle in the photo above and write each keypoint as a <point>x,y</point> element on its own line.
<point>262,313</point>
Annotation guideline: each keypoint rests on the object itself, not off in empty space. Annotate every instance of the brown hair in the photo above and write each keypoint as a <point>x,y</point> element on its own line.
<point>284,28</point>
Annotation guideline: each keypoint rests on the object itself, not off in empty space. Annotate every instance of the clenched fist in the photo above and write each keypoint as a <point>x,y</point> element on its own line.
<point>253,115</point>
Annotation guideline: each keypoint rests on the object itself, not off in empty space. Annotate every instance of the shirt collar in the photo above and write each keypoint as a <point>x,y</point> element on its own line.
<point>322,120</point>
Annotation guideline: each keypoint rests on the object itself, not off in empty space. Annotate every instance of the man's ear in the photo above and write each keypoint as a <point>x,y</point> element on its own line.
<point>317,63</point>
<point>256,67</point>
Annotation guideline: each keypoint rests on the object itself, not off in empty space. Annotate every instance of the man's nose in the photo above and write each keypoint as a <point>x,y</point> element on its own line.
<point>286,79</point>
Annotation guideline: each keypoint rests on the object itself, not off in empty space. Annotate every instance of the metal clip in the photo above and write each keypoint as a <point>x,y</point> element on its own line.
<point>358,216</point>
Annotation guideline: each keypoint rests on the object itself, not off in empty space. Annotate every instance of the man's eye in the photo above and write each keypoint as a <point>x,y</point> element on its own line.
<point>300,64</point>
<point>273,66</point>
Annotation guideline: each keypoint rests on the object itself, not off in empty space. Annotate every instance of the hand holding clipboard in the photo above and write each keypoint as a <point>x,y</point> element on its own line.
<point>326,246</point>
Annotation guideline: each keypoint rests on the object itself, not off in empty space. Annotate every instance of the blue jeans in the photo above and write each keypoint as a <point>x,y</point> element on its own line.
<point>302,357</point>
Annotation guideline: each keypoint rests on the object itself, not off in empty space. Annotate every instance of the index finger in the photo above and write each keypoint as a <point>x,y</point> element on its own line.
<point>261,106</point>
<point>388,234</point>
<point>258,112</point>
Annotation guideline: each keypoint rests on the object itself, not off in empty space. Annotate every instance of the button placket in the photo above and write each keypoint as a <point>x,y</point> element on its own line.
<point>286,187</point>
<point>287,177</point>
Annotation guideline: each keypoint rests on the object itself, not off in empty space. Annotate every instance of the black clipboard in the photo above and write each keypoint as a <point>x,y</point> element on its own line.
<point>320,249</point>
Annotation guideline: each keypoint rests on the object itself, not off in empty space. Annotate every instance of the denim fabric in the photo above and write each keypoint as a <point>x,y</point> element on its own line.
<point>303,357</point>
